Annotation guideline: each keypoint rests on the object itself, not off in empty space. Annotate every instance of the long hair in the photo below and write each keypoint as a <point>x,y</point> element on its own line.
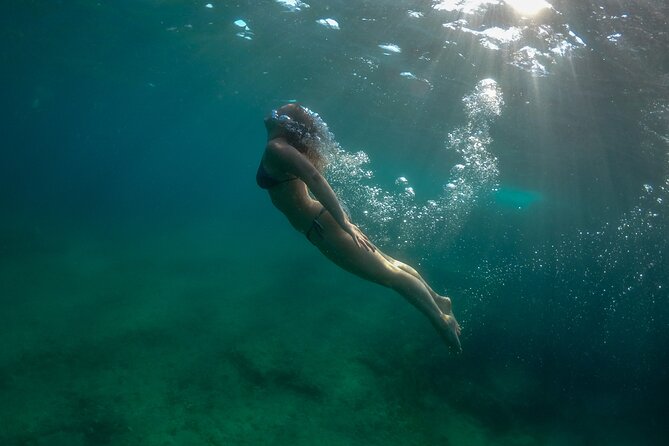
<point>308,133</point>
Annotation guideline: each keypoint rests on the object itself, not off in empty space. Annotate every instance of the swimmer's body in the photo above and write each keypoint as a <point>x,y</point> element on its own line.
<point>291,168</point>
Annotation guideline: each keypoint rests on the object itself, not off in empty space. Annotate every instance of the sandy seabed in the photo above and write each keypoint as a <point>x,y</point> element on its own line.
<point>190,337</point>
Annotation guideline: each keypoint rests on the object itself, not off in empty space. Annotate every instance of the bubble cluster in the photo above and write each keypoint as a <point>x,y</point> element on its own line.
<point>618,270</point>
<point>395,217</point>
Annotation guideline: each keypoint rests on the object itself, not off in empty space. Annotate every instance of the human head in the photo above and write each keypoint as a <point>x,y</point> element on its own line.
<point>302,128</point>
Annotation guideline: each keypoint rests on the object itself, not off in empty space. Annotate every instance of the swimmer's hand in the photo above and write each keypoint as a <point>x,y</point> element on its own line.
<point>359,237</point>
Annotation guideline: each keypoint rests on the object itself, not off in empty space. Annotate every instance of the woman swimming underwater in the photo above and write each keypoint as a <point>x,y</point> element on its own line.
<point>291,167</point>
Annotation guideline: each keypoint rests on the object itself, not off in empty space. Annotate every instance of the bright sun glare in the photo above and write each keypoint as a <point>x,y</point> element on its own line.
<point>528,7</point>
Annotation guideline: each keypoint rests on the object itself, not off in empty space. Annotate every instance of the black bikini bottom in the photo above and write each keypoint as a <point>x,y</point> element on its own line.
<point>316,226</point>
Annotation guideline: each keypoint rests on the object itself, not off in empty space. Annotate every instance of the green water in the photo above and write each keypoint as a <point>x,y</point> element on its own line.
<point>151,295</point>
<point>172,339</point>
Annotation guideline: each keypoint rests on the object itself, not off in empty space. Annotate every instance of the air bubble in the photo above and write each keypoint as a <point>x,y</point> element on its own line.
<point>396,214</point>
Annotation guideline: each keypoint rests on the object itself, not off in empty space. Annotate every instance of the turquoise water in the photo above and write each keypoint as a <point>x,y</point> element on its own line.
<point>151,294</point>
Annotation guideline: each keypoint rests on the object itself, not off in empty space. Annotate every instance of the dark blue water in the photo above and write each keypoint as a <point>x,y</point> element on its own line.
<point>152,295</point>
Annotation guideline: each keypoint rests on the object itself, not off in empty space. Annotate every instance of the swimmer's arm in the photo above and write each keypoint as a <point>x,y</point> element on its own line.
<point>323,192</point>
<point>292,161</point>
<point>288,159</point>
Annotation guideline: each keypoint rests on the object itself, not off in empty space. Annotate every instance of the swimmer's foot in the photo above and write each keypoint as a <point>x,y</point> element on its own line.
<point>449,328</point>
<point>444,303</point>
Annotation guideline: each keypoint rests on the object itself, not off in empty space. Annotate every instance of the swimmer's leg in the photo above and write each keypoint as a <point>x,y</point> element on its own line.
<point>443,302</point>
<point>374,266</point>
